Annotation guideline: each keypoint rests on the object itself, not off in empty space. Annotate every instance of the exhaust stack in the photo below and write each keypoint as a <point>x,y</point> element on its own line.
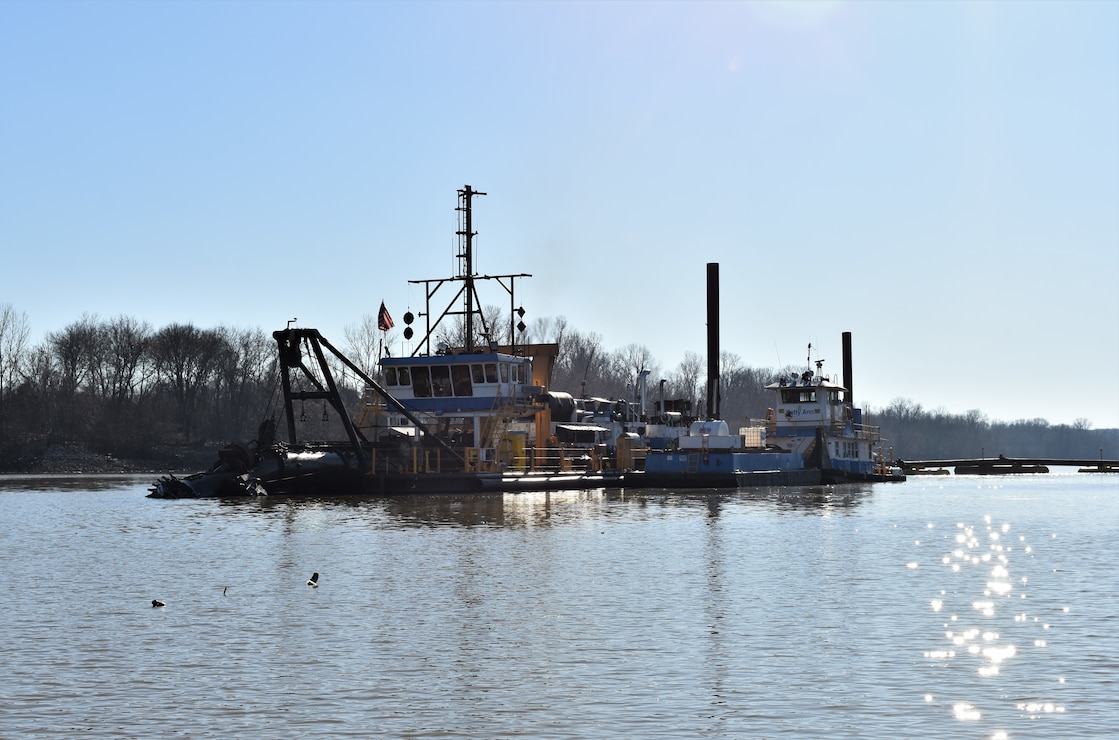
<point>849,396</point>
<point>713,340</point>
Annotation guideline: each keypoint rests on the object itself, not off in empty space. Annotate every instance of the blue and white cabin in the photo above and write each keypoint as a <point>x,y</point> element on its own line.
<point>810,411</point>
<point>462,394</point>
<point>457,384</point>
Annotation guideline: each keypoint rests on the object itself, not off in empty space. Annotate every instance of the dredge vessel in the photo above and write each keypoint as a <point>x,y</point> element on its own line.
<point>464,413</point>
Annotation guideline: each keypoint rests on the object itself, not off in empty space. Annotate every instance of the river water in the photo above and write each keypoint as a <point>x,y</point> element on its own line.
<point>983,607</point>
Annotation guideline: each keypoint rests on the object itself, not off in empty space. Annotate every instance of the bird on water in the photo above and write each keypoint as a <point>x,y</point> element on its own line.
<point>157,603</point>
<point>313,581</point>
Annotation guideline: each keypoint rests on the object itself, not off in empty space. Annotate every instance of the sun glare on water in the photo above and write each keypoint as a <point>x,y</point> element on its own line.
<point>977,641</point>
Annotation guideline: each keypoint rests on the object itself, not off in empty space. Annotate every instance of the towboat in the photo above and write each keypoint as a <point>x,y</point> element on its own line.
<point>810,436</point>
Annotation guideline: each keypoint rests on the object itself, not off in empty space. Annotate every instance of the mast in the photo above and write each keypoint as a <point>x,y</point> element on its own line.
<point>466,241</point>
<point>469,307</point>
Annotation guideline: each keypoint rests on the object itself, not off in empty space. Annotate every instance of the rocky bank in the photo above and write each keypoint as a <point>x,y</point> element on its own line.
<point>71,459</point>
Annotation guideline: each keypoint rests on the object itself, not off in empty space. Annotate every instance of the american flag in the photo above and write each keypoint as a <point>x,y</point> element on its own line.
<point>384,321</point>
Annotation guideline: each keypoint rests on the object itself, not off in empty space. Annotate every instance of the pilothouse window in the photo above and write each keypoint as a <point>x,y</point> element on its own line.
<point>441,380</point>
<point>798,395</point>
<point>460,379</point>
<point>421,382</point>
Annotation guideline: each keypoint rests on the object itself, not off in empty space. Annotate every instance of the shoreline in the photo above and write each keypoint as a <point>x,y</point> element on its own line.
<point>72,459</point>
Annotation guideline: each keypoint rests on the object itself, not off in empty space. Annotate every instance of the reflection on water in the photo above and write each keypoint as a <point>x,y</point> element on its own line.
<point>944,608</point>
<point>549,508</point>
<point>78,482</point>
<point>490,509</point>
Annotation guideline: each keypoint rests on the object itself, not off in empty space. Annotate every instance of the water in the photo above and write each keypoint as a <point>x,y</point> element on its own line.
<point>944,606</point>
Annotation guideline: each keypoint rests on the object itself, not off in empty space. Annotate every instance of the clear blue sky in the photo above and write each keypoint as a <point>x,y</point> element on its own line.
<point>941,179</point>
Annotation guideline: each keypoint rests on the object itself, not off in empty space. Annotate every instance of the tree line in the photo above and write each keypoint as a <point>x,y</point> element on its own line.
<point>916,433</point>
<point>120,386</point>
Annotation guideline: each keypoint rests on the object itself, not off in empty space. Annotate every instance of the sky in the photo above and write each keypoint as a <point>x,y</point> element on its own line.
<point>940,179</point>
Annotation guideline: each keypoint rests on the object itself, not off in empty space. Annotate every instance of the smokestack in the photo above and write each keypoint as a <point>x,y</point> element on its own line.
<point>712,340</point>
<point>848,379</point>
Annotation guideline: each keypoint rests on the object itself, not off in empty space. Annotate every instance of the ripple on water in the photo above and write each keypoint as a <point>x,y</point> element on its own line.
<point>561,615</point>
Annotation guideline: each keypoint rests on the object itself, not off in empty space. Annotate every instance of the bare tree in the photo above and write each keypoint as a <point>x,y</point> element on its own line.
<point>126,343</point>
<point>490,325</point>
<point>116,362</point>
<point>545,329</point>
<point>582,364</point>
<point>14,331</point>
<point>729,363</point>
<point>365,341</point>
<point>39,391</point>
<point>561,330</point>
<point>76,361</point>
<point>635,358</point>
<point>244,376</point>
<point>685,381</point>
<point>185,359</point>
<point>744,396</point>
<point>624,369</point>
<point>73,348</point>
